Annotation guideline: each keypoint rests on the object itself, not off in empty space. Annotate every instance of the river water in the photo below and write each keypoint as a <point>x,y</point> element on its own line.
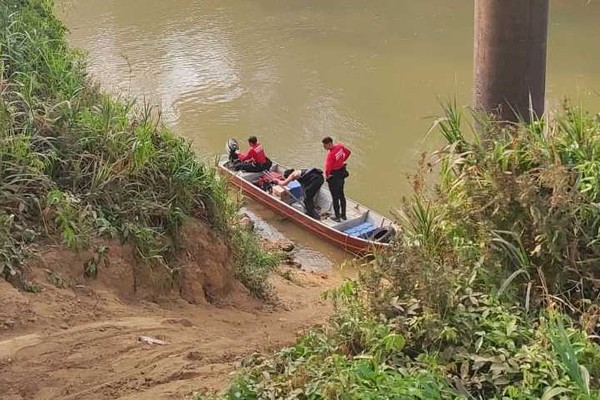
<point>369,73</point>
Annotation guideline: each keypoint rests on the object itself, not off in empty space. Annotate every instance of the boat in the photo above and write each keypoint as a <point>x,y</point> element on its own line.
<point>364,231</point>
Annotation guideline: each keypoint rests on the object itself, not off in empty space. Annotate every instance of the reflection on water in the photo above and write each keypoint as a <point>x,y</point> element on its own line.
<point>368,73</point>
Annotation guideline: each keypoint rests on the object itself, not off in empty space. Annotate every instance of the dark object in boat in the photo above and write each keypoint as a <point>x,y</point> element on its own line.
<point>266,183</point>
<point>382,235</point>
<point>232,147</point>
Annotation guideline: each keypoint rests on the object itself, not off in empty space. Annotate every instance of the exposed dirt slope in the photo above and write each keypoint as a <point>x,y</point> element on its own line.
<point>82,341</point>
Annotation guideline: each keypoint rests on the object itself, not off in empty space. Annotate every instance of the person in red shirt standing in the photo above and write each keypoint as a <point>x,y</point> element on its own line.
<point>336,174</point>
<point>255,160</point>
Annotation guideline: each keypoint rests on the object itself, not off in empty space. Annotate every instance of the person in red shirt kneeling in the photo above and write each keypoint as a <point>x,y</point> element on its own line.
<point>336,174</point>
<point>255,160</point>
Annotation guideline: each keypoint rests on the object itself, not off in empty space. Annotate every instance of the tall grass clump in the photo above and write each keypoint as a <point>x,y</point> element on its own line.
<point>77,164</point>
<point>518,203</point>
<point>492,290</point>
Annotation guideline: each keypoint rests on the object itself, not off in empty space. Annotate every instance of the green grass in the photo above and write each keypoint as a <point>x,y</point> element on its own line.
<point>490,293</point>
<point>481,349</point>
<point>78,164</point>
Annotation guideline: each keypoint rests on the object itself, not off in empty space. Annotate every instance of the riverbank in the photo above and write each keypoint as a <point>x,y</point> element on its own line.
<point>78,339</point>
<point>78,166</point>
<point>492,291</point>
<point>126,270</point>
<point>130,275</point>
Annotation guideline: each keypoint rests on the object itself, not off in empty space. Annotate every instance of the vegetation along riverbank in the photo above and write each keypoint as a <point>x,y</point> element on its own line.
<point>121,253</point>
<point>77,165</point>
<point>491,292</point>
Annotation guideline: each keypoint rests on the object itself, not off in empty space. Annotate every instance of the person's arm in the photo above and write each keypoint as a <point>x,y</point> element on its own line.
<point>247,156</point>
<point>290,178</point>
<point>347,153</point>
<point>328,165</point>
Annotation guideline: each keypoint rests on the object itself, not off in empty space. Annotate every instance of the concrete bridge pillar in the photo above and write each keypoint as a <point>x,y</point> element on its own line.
<point>510,57</point>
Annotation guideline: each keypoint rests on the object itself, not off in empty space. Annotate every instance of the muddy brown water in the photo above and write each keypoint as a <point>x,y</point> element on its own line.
<point>369,73</point>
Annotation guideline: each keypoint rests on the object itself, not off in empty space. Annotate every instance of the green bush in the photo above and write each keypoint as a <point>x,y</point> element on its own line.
<point>482,349</point>
<point>471,301</point>
<point>77,163</point>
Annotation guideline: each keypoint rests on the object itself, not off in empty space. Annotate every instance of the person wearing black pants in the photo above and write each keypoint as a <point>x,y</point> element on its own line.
<point>311,184</point>
<point>336,174</point>
<point>336,186</point>
<point>310,181</point>
<point>255,160</point>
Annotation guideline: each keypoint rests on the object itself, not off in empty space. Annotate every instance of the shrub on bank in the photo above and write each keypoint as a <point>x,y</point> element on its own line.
<point>491,292</point>
<point>78,164</point>
<point>481,350</point>
<point>521,200</point>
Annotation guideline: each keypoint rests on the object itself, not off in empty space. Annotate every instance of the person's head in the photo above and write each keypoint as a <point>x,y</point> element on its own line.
<point>287,173</point>
<point>327,143</point>
<point>252,140</point>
